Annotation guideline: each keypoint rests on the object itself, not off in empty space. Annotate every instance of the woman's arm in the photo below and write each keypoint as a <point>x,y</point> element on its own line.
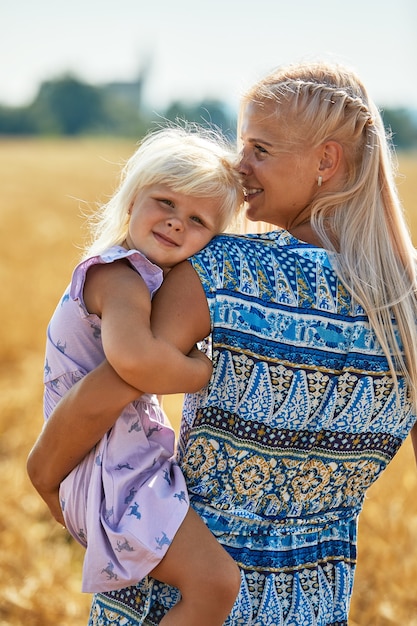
<point>89,409</point>
<point>78,422</point>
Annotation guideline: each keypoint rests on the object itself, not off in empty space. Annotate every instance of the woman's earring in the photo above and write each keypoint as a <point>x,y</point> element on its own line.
<point>319,181</point>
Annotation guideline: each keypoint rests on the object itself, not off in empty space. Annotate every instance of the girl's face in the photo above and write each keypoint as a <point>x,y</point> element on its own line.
<point>280,184</point>
<point>168,227</point>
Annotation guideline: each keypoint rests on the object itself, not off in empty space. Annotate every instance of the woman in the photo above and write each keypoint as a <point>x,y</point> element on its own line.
<point>314,347</point>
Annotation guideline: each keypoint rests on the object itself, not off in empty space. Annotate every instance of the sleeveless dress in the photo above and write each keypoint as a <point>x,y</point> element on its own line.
<point>299,419</point>
<point>125,501</point>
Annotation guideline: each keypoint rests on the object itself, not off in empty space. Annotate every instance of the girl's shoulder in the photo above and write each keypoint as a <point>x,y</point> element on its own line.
<point>151,273</point>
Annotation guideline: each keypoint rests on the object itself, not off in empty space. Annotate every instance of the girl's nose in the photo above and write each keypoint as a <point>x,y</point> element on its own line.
<point>175,223</point>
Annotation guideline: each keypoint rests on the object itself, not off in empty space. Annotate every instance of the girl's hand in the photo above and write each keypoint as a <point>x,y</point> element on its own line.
<point>195,353</point>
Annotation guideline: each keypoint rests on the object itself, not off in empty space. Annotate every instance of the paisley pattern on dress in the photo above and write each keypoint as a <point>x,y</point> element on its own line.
<point>300,418</point>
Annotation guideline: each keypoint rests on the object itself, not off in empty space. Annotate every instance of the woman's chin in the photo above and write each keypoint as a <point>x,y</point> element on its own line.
<point>251,213</point>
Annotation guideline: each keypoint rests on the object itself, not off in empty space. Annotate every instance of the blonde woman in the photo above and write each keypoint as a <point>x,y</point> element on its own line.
<point>314,348</point>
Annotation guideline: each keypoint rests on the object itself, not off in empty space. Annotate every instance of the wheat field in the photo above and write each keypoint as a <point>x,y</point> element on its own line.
<point>46,186</point>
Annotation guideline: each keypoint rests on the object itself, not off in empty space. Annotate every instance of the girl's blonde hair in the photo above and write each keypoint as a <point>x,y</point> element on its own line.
<point>189,160</point>
<point>363,221</point>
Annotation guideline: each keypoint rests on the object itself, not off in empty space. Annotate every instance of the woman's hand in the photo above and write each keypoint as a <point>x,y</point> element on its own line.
<point>52,501</point>
<point>78,422</point>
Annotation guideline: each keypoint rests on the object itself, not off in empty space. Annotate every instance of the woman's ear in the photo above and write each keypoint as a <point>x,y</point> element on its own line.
<point>330,160</point>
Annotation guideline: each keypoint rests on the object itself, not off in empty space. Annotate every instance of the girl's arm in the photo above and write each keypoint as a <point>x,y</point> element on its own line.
<point>180,315</point>
<point>118,295</point>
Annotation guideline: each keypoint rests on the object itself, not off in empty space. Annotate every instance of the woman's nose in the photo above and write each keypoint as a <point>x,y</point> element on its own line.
<point>243,165</point>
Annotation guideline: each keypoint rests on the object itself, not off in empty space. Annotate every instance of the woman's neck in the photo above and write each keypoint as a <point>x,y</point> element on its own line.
<point>305,232</point>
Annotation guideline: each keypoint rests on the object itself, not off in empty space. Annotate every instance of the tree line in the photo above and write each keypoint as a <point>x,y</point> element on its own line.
<point>68,106</point>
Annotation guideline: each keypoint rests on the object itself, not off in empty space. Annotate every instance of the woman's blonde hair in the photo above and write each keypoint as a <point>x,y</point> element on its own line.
<point>363,221</point>
<point>189,160</point>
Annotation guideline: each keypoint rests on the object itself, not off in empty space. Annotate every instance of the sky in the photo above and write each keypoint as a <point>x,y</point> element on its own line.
<point>198,49</point>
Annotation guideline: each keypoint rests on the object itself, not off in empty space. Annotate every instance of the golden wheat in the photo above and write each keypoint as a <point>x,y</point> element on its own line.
<point>46,186</point>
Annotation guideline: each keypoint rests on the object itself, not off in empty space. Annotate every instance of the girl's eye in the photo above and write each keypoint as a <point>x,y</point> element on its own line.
<point>197,219</point>
<point>168,202</point>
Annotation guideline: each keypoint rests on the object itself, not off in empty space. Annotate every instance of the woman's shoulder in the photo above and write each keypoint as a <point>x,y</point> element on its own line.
<point>259,243</point>
<point>230,240</point>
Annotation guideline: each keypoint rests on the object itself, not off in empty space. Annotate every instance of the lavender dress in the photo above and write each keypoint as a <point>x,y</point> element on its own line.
<point>125,501</point>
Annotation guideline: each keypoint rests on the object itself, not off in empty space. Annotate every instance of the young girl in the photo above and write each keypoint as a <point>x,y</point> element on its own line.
<point>127,501</point>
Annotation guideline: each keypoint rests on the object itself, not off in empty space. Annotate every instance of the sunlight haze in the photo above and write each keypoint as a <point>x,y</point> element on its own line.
<point>194,49</point>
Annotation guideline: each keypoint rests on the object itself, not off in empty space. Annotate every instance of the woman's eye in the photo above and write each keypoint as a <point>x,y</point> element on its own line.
<point>259,148</point>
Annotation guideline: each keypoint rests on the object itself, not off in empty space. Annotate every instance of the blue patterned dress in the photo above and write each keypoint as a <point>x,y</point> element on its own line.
<point>299,419</point>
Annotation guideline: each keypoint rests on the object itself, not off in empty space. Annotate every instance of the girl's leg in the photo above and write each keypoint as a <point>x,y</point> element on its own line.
<point>207,577</point>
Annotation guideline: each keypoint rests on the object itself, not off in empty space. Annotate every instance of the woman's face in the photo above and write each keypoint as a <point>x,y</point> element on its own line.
<point>280,183</point>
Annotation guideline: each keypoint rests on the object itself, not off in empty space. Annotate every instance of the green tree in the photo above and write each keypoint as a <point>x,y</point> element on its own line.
<point>208,113</point>
<point>402,125</point>
<point>68,106</point>
<point>17,121</point>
